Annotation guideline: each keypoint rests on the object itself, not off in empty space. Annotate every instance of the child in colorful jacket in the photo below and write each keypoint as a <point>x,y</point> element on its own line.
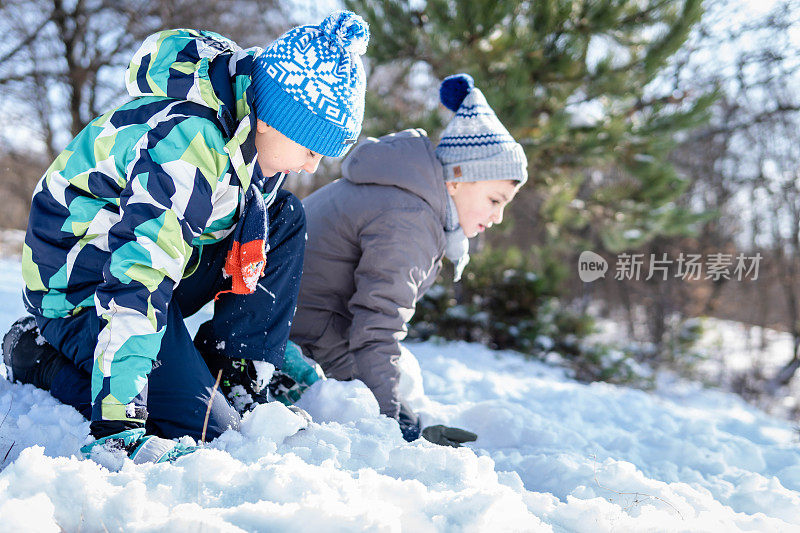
<point>376,239</point>
<point>169,201</point>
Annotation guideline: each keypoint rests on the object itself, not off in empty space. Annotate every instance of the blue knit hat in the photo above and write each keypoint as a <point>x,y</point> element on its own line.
<point>475,146</point>
<point>310,83</point>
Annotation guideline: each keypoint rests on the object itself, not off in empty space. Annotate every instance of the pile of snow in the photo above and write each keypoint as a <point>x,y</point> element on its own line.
<point>552,455</point>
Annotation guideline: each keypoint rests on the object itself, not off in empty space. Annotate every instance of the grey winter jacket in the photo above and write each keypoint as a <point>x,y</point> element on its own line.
<point>375,244</point>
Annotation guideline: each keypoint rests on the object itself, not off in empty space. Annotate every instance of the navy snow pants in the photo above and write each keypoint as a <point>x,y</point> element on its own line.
<point>254,326</point>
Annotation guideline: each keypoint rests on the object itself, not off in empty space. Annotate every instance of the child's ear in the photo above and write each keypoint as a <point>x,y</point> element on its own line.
<point>261,126</point>
<point>452,186</point>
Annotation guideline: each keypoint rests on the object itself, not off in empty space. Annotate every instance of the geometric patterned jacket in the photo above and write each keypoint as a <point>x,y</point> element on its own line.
<point>115,218</point>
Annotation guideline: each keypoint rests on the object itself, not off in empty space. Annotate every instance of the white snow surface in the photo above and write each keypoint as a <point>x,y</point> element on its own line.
<point>552,455</point>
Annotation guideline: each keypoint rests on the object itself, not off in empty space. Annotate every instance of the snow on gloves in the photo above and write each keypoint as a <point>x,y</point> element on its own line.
<point>247,383</point>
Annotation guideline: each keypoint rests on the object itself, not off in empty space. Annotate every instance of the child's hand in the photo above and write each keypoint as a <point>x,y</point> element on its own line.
<point>447,436</point>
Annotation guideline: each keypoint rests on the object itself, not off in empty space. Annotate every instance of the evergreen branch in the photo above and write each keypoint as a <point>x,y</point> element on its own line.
<point>642,104</point>
<point>641,17</point>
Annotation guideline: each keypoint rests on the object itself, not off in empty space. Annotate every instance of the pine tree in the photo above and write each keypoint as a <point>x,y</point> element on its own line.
<point>576,82</point>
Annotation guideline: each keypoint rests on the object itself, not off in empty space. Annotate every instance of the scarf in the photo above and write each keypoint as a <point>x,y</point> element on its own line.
<point>247,257</point>
<point>457,245</point>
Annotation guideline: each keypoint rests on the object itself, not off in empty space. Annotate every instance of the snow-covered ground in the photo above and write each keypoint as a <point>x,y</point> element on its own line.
<point>733,352</point>
<point>552,455</point>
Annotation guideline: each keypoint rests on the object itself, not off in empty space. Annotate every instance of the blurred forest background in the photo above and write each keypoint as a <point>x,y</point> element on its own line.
<point>651,127</point>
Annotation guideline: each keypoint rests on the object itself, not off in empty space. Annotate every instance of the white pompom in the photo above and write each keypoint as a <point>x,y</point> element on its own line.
<point>347,30</point>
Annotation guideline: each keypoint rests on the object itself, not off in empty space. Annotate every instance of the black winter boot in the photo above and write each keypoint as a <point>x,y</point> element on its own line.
<point>28,357</point>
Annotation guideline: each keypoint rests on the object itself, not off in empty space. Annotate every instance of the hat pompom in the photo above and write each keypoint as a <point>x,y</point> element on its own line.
<point>347,30</point>
<point>454,89</point>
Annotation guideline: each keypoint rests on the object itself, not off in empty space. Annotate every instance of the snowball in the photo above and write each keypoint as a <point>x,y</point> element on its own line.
<point>271,421</point>
<point>339,401</point>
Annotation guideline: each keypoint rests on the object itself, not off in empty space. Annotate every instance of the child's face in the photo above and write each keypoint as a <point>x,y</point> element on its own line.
<point>480,204</point>
<point>278,153</point>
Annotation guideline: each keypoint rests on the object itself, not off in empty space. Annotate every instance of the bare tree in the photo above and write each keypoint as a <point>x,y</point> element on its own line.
<point>751,178</point>
<point>62,60</point>
<point>62,64</point>
<point>777,193</point>
<point>741,170</point>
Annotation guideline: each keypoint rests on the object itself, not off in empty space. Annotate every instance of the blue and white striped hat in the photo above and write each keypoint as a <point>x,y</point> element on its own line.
<point>309,84</point>
<point>475,146</point>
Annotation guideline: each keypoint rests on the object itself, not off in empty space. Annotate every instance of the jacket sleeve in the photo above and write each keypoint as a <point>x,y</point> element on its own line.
<point>399,251</point>
<point>166,203</point>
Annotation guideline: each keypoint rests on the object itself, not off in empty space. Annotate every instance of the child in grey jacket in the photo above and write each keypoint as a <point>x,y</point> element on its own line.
<point>377,237</point>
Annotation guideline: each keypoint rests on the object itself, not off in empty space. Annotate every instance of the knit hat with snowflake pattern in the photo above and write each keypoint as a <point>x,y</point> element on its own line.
<point>475,146</point>
<point>309,84</point>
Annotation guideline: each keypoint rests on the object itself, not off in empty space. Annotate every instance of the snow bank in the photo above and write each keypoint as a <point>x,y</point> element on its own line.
<point>552,455</point>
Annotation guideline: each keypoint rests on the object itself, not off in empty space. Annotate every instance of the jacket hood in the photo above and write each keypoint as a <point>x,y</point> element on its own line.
<point>405,160</point>
<point>208,69</point>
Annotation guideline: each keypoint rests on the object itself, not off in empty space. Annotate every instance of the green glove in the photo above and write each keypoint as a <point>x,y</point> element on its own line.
<point>297,374</point>
<point>447,436</point>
